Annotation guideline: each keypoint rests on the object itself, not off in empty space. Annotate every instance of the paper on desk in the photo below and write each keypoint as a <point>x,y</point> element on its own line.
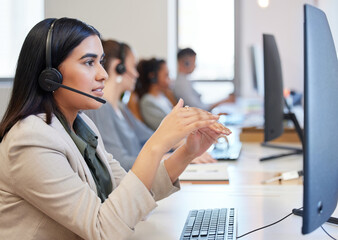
<point>207,171</point>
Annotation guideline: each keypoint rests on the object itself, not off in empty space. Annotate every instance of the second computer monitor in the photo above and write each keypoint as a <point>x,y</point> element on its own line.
<point>273,90</point>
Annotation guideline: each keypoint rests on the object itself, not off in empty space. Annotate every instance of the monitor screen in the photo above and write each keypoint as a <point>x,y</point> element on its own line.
<point>273,90</point>
<point>320,121</point>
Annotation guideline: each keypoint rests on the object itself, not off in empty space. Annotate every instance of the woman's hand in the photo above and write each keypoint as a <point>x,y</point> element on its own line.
<point>201,130</point>
<point>199,141</point>
<point>180,122</point>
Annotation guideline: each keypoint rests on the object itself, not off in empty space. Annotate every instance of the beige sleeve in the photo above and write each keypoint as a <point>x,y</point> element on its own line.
<point>163,187</point>
<point>41,174</point>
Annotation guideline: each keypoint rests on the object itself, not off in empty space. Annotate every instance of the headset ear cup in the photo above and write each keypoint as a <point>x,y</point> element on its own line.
<point>153,80</point>
<point>53,75</point>
<point>120,68</point>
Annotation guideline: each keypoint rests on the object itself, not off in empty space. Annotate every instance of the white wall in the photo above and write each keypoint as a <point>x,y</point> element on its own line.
<point>150,27</point>
<point>145,25</point>
<point>283,19</point>
<point>17,17</point>
<point>330,7</point>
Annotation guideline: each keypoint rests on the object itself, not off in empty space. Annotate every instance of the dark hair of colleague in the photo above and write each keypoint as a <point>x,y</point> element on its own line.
<point>151,86</point>
<point>147,70</point>
<point>185,52</point>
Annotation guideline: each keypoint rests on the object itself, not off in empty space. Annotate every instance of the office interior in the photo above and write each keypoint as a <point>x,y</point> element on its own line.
<point>150,26</point>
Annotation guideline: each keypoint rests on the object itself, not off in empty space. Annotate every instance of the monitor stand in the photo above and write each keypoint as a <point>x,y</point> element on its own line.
<point>299,212</point>
<point>287,116</point>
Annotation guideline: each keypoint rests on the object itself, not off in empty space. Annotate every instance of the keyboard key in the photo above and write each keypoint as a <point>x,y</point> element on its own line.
<point>191,222</point>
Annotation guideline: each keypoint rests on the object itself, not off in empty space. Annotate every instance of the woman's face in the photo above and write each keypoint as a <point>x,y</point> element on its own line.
<point>163,79</point>
<point>130,76</point>
<point>82,70</point>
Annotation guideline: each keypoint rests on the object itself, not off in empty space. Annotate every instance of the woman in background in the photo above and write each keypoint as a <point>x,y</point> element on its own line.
<point>56,179</point>
<point>152,88</point>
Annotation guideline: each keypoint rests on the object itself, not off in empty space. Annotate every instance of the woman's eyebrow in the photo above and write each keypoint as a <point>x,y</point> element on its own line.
<point>92,55</point>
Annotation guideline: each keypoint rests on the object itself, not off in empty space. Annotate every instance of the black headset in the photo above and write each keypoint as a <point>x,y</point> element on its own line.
<point>121,68</point>
<point>50,74</point>
<point>155,71</point>
<point>153,80</point>
<point>50,79</point>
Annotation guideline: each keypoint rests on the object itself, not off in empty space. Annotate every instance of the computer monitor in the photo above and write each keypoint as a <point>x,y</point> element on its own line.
<point>274,101</point>
<point>320,121</point>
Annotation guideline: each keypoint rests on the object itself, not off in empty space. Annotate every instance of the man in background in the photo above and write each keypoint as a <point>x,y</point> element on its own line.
<point>186,59</point>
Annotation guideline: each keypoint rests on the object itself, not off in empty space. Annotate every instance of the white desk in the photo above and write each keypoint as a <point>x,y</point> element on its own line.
<point>248,170</point>
<point>257,206</point>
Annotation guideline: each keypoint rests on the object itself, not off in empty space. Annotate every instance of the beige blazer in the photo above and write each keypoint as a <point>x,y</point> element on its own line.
<point>47,190</point>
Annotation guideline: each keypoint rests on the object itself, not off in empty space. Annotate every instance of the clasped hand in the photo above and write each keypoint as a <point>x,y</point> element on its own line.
<point>199,127</point>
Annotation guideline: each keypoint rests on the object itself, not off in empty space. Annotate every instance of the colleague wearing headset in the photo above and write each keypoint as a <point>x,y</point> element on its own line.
<point>186,61</point>
<point>153,80</point>
<point>152,88</point>
<point>123,135</point>
<point>56,179</point>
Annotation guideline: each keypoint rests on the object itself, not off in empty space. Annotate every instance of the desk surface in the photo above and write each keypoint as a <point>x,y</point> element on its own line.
<point>248,170</point>
<point>257,206</point>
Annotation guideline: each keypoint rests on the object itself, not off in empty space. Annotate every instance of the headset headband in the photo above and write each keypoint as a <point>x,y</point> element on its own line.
<point>49,45</point>
<point>122,52</point>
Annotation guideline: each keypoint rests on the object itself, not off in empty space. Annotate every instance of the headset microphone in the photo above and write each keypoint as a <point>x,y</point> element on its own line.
<point>50,79</point>
<point>74,90</point>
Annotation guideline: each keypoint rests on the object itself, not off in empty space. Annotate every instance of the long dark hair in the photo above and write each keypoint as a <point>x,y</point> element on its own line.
<point>148,70</point>
<point>27,97</point>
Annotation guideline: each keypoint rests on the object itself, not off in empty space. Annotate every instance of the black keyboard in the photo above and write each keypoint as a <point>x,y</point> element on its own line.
<point>211,224</point>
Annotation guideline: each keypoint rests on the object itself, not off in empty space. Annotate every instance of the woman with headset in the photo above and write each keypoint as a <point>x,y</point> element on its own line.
<point>150,87</point>
<point>56,179</point>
